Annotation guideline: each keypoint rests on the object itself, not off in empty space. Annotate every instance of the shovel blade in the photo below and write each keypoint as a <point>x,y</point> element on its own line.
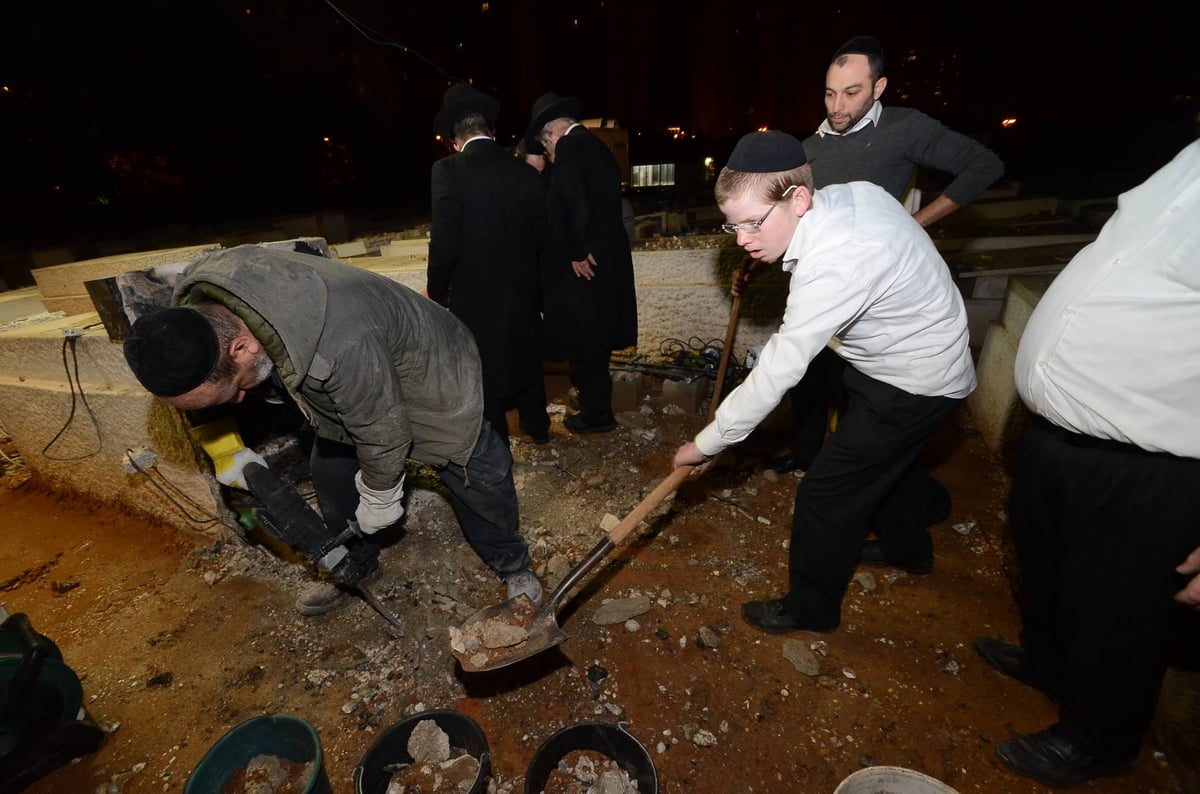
<point>504,634</point>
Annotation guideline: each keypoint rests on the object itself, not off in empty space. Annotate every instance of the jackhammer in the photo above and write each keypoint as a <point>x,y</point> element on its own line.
<point>290,519</point>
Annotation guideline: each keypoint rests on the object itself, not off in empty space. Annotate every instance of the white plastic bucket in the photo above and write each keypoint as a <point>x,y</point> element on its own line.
<point>891,780</point>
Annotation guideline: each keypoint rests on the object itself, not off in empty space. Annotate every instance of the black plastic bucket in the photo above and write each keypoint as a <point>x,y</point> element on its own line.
<point>370,776</point>
<point>601,737</point>
<point>280,735</point>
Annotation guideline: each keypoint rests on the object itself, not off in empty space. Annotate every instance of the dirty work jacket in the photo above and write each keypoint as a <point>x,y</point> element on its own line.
<point>369,361</point>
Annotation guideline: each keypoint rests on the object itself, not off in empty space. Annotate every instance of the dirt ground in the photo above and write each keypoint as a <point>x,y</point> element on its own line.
<point>177,639</point>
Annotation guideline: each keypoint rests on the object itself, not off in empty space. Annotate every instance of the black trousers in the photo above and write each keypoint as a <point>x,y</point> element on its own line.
<point>818,392</point>
<point>591,377</point>
<point>867,472</point>
<point>482,495</point>
<point>530,403</point>
<point>1099,527</point>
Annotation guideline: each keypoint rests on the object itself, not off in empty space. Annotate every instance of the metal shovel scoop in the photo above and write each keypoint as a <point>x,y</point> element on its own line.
<point>516,629</point>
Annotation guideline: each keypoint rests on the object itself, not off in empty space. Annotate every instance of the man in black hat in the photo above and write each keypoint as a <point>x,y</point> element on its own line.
<point>381,374</point>
<point>866,274</point>
<point>590,302</point>
<point>489,222</point>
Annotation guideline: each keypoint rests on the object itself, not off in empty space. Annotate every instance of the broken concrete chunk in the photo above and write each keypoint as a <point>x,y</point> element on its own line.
<point>428,743</point>
<point>801,657</point>
<point>621,609</point>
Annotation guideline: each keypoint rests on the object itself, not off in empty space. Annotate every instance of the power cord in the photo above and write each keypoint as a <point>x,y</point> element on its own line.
<point>70,340</point>
<point>131,459</point>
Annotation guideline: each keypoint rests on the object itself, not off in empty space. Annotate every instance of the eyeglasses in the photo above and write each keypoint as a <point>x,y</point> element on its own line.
<point>754,227</point>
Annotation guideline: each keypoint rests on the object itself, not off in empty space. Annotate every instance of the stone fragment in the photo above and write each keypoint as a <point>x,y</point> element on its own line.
<point>865,580</point>
<point>428,743</point>
<point>803,659</point>
<point>620,610</point>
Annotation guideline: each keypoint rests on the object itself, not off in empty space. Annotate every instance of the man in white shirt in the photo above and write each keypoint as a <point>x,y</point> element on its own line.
<point>866,273</point>
<point>1106,487</point>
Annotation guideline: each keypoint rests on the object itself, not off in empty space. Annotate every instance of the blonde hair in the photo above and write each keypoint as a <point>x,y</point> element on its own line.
<point>769,186</point>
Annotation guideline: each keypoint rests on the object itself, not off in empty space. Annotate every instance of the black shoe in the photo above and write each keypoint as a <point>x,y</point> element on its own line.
<point>772,617</point>
<point>937,504</point>
<point>872,554</point>
<point>1052,759</point>
<point>1013,662</point>
<point>789,463</point>
<point>537,438</point>
<point>576,423</point>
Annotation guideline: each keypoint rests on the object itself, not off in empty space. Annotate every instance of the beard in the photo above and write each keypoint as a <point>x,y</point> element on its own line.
<point>263,366</point>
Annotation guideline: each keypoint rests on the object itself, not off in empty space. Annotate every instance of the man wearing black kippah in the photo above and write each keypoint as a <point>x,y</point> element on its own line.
<point>865,273</point>
<point>381,373</point>
<point>861,140</point>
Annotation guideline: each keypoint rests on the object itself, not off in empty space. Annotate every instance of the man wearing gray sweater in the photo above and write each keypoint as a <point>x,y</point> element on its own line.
<point>861,140</point>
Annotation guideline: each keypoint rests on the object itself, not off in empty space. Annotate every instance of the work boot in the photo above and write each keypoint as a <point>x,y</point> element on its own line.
<point>524,583</point>
<point>319,598</point>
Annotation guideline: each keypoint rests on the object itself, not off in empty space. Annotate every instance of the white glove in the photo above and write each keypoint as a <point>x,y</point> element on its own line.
<point>230,468</point>
<point>378,509</point>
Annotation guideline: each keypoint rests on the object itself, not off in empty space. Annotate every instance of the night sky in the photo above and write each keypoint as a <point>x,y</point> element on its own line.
<point>119,116</point>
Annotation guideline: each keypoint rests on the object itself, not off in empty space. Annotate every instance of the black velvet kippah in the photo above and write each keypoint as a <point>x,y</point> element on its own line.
<point>860,45</point>
<point>172,351</point>
<point>767,152</point>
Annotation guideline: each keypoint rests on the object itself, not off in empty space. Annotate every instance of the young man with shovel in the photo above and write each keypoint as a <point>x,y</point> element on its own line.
<point>863,271</point>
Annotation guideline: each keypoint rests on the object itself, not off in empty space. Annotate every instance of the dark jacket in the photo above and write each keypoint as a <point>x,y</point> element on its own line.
<point>370,362</point>
<point>584,202</point>
<point>489,224</point>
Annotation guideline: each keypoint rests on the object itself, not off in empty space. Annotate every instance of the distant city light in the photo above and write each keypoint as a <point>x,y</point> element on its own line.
<point>1011,121</point>
<point>762,129</point>
<point>708,162</point>
<point>484,6</point>
<point>5,89</point>
<point>247,12</point>
<point>325,139</point>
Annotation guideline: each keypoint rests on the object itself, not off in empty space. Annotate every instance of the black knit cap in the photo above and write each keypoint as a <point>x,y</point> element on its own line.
<point>172,351</point>
<point>767,152</point>
<point>861,45</point>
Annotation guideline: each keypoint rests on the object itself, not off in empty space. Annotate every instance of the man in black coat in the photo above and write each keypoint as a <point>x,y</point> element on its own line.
<point>489,223</point>
<point>590,302</point>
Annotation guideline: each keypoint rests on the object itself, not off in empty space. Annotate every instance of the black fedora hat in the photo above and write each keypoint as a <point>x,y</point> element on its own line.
<point>460,100</point>
<point>551,106</point>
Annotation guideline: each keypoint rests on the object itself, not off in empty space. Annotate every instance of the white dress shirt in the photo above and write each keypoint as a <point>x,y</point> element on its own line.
<point>866,275</point>
<point>1113,348</point>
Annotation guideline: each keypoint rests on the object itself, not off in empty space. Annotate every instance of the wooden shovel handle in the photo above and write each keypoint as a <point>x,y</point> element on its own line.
<point>725,352</point>
<point>652,500</point>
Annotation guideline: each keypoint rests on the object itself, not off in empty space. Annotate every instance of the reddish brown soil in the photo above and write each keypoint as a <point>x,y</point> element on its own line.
<point>176,640</point>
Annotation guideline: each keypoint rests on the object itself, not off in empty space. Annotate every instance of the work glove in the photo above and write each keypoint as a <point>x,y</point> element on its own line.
<point>230,467</point>
<point>378,509</point>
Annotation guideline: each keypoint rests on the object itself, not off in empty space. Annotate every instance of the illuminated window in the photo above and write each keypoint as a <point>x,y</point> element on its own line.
<point>653,175</point>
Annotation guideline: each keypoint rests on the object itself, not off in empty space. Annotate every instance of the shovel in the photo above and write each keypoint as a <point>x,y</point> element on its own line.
<point>517,628</point>
<point>520,629</point>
